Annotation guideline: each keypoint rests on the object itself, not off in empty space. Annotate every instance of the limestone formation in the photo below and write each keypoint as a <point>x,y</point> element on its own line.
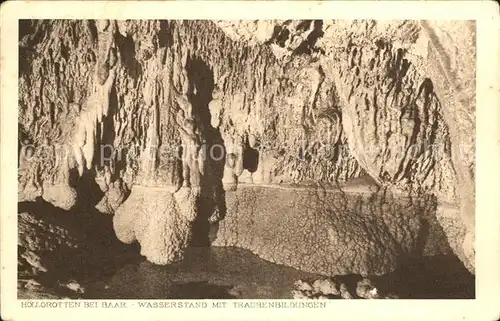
<point>323,231</point>
<point>326,286</point>
<point>334,147</point>
<point>366,289</point>
<point>335,288</point>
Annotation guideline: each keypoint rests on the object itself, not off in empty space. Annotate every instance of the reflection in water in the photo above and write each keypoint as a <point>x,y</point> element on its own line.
<point>227,273</point>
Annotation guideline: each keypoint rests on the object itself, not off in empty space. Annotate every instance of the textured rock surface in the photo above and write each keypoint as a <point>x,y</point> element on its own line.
<point>56,246</point>
<point>331,288</point>
<point>325,232</point>
<point>41,242</point>
<point>407,92</point>
<point>451,63</point>
<point>106,108</point>
<point>155,219</point>
<point>432,99</point>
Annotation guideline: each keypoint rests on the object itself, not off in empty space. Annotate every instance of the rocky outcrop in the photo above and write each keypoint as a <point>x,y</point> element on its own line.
<point>326,231</point>
<point>407,92</point>
<point>41,242</point>
<point>176,126</point>
<point>451,63</point>
<point>325,289</point>
<point>408,107</point>
<point>150,215</point>
<point>57,247</point>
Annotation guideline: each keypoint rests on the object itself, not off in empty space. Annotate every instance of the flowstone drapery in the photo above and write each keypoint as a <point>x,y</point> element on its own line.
<point>176,127</point>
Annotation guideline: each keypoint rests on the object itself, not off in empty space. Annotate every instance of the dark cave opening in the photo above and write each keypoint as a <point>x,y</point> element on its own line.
<point>250,159</point>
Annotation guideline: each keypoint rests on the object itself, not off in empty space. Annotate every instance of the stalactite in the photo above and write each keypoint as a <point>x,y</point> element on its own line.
<point>97,105</point>
<point>354,101</point>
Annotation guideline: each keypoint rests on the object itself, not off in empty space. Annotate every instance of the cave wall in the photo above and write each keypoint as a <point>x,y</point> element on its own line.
<point>408,102</point>
<point>291,101</point>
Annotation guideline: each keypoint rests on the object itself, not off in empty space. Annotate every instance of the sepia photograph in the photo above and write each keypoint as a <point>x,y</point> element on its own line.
<point>202,163</point>
<point>264,159</point>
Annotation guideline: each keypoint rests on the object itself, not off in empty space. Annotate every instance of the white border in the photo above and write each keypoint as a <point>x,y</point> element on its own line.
<point>484,307</point>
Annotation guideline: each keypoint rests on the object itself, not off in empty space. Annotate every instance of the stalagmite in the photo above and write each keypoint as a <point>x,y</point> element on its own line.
<point>252,140</point>
<point>77,153</point>
<point>238,150</point>
<point>229,181</point>
<point>202,159</point>
<point>292,130</point>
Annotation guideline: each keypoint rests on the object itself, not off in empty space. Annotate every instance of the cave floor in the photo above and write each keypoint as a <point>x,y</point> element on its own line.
<point>230,273</point>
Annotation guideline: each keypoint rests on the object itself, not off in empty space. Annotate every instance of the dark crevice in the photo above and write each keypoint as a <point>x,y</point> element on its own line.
<point>92,28</point>
<point>89,194</point>
<point>126,46</point>
<point>212,198</point>
<point>303,25</point>
<point>282,37</point>
<point>308,46</point>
